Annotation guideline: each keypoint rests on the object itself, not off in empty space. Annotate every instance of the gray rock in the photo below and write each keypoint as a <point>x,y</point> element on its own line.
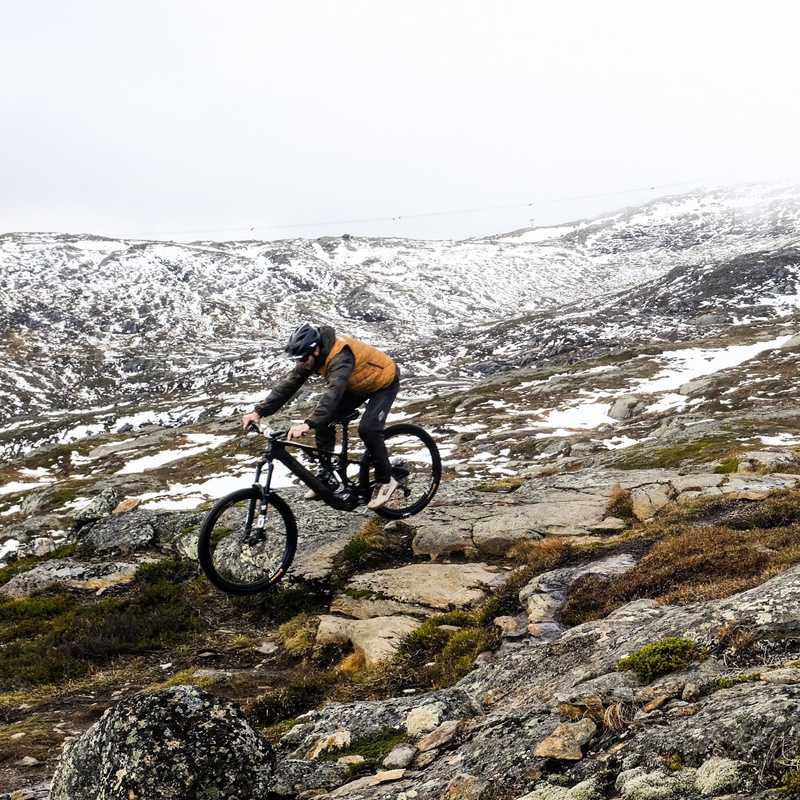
<point>545,594</point>
<point>708,320</point>
<point>294,775</point>
<point>766,460</point>
<point>124,534</point>
<point>436,586</point>
<point>648,500</point>
<point>370,717</point>
<point>70,574</point>
<point>101,506</point>
<point>400,757</point>
<point>625,407</point>
<point>170,744</point>
<point>378,638</point>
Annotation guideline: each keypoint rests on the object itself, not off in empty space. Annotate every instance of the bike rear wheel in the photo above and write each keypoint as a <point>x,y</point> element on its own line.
<point>416,466</point>
<point>245,548</point>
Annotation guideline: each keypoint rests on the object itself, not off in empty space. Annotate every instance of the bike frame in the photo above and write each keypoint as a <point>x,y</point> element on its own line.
<point>356,493</point>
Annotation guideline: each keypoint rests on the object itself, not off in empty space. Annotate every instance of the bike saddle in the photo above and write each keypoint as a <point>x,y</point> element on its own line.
<point>348,417</point>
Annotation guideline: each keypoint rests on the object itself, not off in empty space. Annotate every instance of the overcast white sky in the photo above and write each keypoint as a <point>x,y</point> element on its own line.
<point>178,119</point>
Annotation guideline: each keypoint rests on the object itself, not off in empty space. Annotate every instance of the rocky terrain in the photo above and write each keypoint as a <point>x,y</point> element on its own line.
<point>601,601</point>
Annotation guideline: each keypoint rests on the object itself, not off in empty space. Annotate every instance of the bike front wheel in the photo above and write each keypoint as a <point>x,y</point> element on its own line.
<point>245,546</point>
<point>416,465</point>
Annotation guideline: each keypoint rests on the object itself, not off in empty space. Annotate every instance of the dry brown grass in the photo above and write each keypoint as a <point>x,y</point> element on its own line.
<point>618,716</point>
<point>620,503</point>
<point>298,634</point>
<point>353,663</point>
<point>542,554</point>
<point>704,563</point>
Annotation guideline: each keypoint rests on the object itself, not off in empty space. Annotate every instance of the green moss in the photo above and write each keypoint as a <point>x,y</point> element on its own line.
<point>274,732</point>
<point>726,466</point>
<point>729,681</point>
<point>791,782</point>
<point>695,451</point>
<point>659,658</point>
<point>187,677</point>
<point>374,748</point>
<point>673,761</point>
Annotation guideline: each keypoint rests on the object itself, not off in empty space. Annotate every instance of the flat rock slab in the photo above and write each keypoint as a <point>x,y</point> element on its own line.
<point>437,586</point>
<point>377,638</point>
<point>367,607</point>
<point>69,574</point>
<point>318,564</point>
<point>569,505</point>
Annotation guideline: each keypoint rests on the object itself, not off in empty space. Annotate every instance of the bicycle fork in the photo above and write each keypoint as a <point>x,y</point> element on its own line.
<point>257,522</point>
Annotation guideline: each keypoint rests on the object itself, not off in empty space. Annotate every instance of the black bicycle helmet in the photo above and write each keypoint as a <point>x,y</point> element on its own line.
<point>303,341</point>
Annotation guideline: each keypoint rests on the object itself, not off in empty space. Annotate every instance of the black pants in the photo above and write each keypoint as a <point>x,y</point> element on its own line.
<point>371,426</point>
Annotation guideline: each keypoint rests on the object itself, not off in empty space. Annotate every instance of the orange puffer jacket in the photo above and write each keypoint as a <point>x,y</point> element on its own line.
<point>374,370</point>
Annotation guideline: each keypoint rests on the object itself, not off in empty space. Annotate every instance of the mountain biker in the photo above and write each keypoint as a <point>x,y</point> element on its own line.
<point>355,373</point>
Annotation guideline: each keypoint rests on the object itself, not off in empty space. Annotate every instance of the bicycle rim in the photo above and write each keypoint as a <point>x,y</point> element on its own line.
<point>416,466</point>
<point>242,550</point>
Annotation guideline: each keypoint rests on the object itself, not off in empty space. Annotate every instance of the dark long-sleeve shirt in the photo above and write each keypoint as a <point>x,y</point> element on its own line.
<point>339,371</point>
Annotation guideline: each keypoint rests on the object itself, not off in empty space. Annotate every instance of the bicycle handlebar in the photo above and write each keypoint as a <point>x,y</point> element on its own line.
<point>254,427</point>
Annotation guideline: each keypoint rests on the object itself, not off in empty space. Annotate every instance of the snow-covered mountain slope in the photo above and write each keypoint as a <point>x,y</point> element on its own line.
<point>88,321</point>
<point>689,301</point>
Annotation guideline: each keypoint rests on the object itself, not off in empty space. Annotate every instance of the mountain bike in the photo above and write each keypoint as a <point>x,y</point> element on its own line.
<point>248,539</point>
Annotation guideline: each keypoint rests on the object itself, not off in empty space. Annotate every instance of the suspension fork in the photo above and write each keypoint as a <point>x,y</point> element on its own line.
<point>261,521</point>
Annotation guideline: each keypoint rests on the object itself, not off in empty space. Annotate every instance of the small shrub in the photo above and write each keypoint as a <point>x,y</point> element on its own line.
<point>367,548</point>
<point>298,695</point>
<point>298,634</point>
<point>672,761</point>
<point>659,658</point>
<point>282,604</point>
<point>727,465</point>
<point>542,554</point>
<point>791,782</point>
<point>56,639</point>
<point>618,716</point>
<point>459,654</point>
<point>620,503</point>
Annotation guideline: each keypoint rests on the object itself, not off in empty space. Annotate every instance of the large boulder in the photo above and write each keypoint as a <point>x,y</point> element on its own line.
<point>172,744</point>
